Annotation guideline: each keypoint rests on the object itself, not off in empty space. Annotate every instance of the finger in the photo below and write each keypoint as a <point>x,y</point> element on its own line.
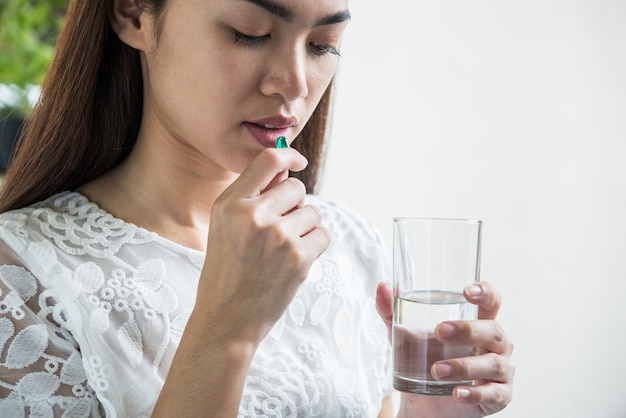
<point>491,397</point>
<point>301,234</point>
<point>486,297</point>
<point>491,367</point>
<point>384,304</point>
<point>304,250</point>
<point>283,198</point>
<point>280,177</point>
<point>266,167</point>
<point>302,220</point>
<point>486,334</point>
<point>318,240</point>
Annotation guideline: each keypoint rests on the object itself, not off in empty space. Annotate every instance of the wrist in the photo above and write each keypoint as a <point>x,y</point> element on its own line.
<point>218,337</point>
<point>208,373</point>
<point>424,406</point>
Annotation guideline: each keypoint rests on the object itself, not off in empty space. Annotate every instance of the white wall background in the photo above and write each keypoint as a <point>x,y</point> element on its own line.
<point>513,112</point>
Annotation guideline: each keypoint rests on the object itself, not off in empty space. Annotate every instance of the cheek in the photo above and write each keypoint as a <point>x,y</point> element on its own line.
<point>197,79</point>
<point>322,71</point>
<point>318,83</point>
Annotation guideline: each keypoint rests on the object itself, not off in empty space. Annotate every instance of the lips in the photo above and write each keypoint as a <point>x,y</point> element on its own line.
<point>267,130</point>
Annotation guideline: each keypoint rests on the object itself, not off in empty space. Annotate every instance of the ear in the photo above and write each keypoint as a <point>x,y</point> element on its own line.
<point>128,21</point>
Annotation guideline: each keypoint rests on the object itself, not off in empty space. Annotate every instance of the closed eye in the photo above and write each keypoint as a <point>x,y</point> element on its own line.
<point>249,40</point>
<point>320,49</point>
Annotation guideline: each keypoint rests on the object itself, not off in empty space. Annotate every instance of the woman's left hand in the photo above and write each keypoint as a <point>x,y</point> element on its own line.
<point>491,368</point>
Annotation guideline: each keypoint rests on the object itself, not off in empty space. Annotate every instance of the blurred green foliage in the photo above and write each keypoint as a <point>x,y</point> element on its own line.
<point>28,31</point>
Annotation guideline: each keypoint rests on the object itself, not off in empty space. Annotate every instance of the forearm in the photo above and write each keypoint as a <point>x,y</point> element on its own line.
<point>414,408</point>
<point>424,406</point>
<point>206,375</point>
<point>421,406</point>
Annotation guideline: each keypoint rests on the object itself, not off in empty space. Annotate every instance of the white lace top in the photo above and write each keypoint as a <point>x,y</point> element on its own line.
<point>92,310</point>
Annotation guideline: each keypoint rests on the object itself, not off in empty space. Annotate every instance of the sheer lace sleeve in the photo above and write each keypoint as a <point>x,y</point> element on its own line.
<point>41,368</point>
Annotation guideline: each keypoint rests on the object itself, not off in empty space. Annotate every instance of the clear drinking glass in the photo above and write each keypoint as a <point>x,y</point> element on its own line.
<point>433,260</point>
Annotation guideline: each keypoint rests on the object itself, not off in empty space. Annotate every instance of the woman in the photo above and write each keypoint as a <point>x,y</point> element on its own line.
<point>157,260</point>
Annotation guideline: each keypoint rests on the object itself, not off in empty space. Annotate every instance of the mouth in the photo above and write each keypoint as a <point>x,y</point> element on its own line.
<point>266,131</point>
<point>275,122</point>
<point>265,125</point>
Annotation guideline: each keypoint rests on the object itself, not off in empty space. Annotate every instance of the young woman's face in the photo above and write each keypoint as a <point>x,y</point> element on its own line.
<point>226,78</point>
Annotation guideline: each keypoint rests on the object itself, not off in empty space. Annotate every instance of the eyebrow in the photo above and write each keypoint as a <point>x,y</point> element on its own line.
<point>285,12</point>
<point>338,17</point>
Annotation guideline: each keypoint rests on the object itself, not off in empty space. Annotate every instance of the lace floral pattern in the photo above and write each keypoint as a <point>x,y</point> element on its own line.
<point>79,227</point>
<point>39,391</point>
<point>279,386</point>
<point>92,310</point>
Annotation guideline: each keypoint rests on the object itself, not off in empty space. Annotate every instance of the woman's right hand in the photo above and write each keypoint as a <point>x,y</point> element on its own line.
<point>262,242</point>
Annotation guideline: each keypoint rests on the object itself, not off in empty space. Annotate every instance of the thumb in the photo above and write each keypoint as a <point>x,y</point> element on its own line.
<point>384,304</point>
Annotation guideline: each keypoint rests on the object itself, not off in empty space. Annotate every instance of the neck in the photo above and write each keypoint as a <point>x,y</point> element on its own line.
<point>168,195</point>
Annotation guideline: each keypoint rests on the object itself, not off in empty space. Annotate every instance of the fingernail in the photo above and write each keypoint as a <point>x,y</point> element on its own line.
<point>442,370</point>
<point>473,290</point>
<point>462,393</point>
<point>445,330</point>
<point>281,142</point>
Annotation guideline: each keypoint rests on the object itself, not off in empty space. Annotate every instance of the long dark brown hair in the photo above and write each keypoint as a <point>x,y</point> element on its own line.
<point>88,117</point>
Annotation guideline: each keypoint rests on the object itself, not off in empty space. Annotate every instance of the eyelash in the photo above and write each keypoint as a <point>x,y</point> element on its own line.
<point>254,41</point>
<point>323,49</point>
<point>249,40</point>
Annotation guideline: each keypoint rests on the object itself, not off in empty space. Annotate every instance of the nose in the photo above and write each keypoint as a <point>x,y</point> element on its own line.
<point>286,76</point>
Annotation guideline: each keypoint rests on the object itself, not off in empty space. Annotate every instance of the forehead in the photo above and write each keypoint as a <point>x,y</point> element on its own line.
<point>304,13</point>
<point>319,12</point>
<point>306,7</point>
